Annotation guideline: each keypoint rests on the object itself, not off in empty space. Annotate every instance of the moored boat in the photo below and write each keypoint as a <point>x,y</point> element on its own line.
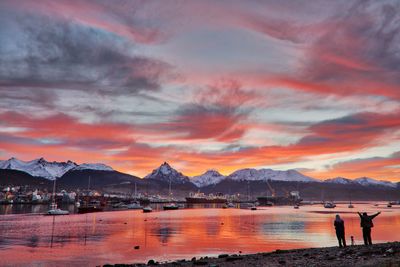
<point>147,209</point>
<point>54,210</point>
<point>134,206</point>
<point>329,205</point>
<point>171,206</point>
<point>92,206</point>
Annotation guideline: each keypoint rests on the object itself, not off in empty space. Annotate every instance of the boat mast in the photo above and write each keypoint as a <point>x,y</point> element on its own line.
<point>135,191</point>
<point>170,189</point>
<point>54,191</point>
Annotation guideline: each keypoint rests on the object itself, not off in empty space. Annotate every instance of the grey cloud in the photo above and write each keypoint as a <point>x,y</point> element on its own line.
<point>367,36</point>
<point>63,55</point>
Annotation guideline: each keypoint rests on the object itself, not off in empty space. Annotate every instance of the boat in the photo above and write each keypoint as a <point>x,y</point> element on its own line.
<point>389,205</point>
<point>92,206</point>
<point>171,206</point>
<point>296,207</point>
<point>253,207</point>
<point>54,210</point>
<point>291,198</point>
<point>202,198</point>
<point>120,205</point>
<point>147,209</point>
<point>134,206</point>
<point>329,205</point>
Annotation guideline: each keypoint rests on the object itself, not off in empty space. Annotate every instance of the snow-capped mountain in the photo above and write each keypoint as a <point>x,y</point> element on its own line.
<point>207,178</point>
<point>269,174</point>
<point>93,166</point>
<point>369,181</point>
<point>49,170</point>
<point>166,173</point>
<point>39,167</point>
<point>339,180</point>
<point>365,181</point>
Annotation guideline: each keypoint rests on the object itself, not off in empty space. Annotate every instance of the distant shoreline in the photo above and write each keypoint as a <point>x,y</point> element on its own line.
<point>383,254</point>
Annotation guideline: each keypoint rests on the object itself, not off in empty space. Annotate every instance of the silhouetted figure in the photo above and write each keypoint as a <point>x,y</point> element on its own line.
<point>366,224</point>
<point>339,226</point>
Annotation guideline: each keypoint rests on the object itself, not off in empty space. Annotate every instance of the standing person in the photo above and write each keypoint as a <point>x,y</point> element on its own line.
<point>366,224</point>
<point>339,227</point>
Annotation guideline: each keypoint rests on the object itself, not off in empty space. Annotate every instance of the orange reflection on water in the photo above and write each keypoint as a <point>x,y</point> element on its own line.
<point>111,237</point>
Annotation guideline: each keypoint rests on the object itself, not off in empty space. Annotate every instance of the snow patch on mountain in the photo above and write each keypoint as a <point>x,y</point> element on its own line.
<point>369,181</point>
<point>49,170</point>
<point>208,178</point>
<point>93,166</point>
<point>269,174</point>
<point>339,180</point>
<point>39,167</point>
<point>365,181</point>
<point>166,173</point>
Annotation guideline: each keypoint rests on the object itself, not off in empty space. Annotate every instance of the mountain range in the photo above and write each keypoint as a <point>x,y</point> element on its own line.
<point>73,175</point>
<point>49,170</point>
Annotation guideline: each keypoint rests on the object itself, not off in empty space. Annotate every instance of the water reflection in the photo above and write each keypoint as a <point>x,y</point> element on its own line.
<point>110,237</point>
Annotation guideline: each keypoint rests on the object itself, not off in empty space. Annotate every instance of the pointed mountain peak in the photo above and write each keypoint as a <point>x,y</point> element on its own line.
<point>165,165</point>
<point>208,178</point>
<point>212,172</point>
<point>41,160</point>
<point>166,173</point>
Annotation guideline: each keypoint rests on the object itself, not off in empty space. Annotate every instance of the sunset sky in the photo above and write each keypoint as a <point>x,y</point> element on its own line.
<point>307,85</point>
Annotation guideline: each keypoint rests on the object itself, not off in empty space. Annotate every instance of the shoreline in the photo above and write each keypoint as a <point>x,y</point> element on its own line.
<point>382,254</point>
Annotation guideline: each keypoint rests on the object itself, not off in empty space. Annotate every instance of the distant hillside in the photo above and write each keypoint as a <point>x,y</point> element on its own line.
<point>309,191</point>
<point>14,177</point>
<point>99,179</point>
<point>243,181</point>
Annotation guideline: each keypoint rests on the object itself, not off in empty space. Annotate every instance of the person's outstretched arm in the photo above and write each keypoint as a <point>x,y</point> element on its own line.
<point>376,214</point>
<point>359,214</point>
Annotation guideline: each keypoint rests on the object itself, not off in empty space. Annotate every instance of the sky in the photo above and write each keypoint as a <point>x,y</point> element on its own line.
<point>224,85</point>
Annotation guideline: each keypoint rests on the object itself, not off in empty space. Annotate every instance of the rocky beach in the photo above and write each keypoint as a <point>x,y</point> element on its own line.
<point>384,254</point>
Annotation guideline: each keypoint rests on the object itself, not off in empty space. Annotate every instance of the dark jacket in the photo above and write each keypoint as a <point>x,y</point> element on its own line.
<point>366,221</point>
<point>339,226</point>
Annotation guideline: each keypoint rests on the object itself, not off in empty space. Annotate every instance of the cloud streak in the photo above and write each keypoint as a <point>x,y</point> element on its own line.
<point>200,84</point>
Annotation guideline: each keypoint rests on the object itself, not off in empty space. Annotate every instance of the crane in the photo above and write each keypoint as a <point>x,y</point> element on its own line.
<point>270,188</point>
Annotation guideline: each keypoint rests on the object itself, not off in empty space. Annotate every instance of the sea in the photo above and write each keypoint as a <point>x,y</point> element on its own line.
<point>28,238</point>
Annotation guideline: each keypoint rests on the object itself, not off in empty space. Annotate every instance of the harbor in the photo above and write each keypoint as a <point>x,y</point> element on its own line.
<point>132,236</point>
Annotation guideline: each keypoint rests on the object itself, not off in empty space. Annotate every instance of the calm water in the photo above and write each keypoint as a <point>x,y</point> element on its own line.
<point>110,237</point>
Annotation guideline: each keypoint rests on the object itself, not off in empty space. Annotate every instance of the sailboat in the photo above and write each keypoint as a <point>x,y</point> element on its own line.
<point>92,206</point>
<point>135,205</point>
<point>350,206</point>
<point>54,210</point>
<point>170,206</point>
